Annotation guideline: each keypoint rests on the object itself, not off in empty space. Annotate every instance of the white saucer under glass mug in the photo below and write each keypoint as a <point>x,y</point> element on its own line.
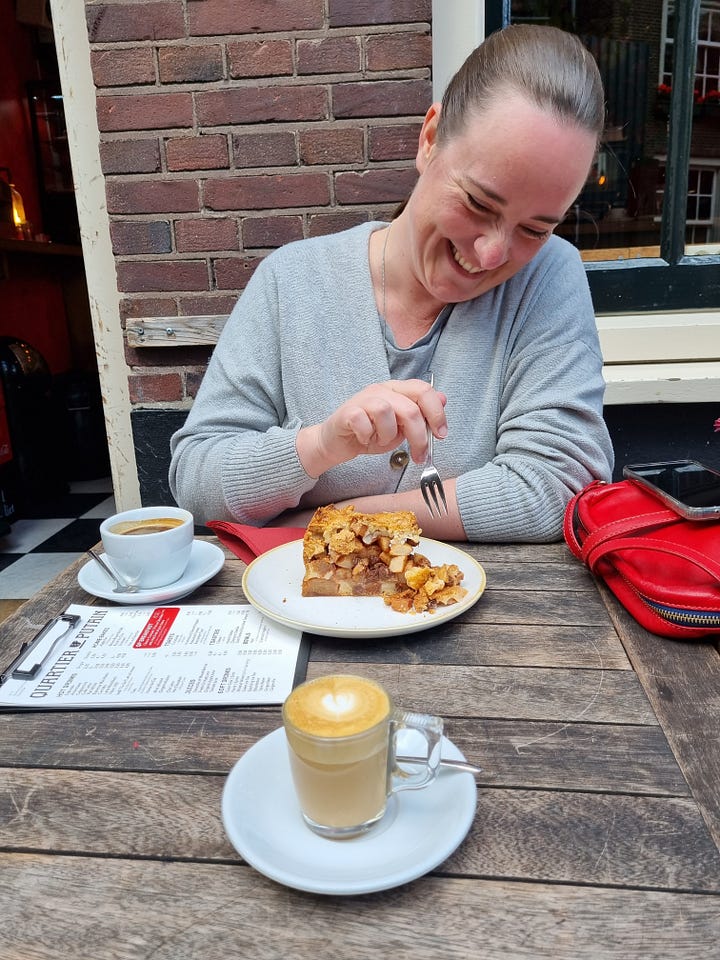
<point>341,732</point>
<point>149,546</point>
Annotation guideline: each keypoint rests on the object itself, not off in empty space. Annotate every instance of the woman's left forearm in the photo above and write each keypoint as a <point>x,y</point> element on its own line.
<point>444,527</point>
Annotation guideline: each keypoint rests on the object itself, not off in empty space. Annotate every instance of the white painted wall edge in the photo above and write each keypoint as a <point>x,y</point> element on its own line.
<point>662,383</point>
<point>660,337</point>
<point>73,54</point>
<point>458,26</point>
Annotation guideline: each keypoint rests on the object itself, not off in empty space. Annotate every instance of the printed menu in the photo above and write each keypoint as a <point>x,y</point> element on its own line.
<point>104,657</point>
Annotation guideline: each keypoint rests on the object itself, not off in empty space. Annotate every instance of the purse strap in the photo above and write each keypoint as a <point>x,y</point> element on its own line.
<point>615,528</point>
<point>628,526</point>
<point>622,534</point>
<point>701,560</point>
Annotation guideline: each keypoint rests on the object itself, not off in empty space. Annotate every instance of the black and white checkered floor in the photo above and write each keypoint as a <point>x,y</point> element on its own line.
<point>45,540</point>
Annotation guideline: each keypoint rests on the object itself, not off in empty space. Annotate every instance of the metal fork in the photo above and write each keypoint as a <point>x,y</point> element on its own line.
<point>430,482</point>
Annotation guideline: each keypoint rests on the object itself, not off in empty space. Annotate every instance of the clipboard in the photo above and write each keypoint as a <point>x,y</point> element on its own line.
<point>36,653</point>
<point>144,656</point>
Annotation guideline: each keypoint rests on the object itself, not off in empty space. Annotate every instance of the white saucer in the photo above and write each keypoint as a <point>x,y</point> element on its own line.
<point>419,831</point>
<point>205,561</point>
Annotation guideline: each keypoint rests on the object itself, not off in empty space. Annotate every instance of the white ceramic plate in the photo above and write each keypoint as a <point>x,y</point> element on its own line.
<point>273,582</point>
<point>419,831</point>
<point>205,561</point>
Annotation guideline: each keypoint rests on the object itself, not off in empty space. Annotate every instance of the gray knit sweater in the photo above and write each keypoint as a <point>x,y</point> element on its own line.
<point>521,367</point>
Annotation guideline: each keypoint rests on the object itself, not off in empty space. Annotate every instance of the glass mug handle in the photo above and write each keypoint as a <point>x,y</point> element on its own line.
<point>431,729</point>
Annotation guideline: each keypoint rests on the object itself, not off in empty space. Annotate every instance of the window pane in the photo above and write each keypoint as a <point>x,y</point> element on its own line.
<point>618,214</point>
<point>714,29</point>
<point>704,176</point>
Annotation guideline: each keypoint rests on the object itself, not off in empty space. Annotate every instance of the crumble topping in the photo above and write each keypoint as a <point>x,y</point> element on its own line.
<point>352,554</point>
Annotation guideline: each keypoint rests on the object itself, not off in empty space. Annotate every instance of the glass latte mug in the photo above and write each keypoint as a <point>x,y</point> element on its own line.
<point>341,732</point>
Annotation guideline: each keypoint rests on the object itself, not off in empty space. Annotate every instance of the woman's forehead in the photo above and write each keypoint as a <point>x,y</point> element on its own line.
<point>523,147</point>
<point>519,128</point>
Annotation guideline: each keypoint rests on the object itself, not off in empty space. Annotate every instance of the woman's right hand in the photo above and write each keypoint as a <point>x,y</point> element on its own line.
<point>375,421</point>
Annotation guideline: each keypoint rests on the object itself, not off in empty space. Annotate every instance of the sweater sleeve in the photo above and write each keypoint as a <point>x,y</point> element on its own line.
<point>235,457</point>
<point>551,436</point>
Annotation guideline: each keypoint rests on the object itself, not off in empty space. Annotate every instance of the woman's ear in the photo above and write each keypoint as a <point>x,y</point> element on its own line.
<point>428,137</point>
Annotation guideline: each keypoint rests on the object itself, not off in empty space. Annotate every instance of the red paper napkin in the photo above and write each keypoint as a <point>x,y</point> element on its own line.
<point>249,542</point>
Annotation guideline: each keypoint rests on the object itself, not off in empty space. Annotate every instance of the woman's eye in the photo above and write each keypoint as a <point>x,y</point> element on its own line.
<point>537,234</point>
<point>476,204</point>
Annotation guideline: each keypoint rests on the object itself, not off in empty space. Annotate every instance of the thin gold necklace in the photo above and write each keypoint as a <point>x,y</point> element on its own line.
<point>383,314</point>
<point>399,458</point>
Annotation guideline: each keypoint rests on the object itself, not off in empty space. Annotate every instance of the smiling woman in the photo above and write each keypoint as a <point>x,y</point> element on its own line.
<point>467,281</point>
<point>486,193</point>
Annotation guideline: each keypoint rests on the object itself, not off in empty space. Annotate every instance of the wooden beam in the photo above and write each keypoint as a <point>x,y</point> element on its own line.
<point>174,331</point>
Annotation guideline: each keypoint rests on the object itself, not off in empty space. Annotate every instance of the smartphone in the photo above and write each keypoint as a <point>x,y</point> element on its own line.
<point>688,487</point>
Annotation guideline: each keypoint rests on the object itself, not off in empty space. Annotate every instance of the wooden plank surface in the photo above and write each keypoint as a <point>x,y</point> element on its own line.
<point>174,331</point>
<point>80,907</point>
<point>506,606</point>
<point>512,753</point>
<point>625,841</point>
<point>610,696</point>
<point>682,682</point>
<point>497,644</point>
<point>588,841</point>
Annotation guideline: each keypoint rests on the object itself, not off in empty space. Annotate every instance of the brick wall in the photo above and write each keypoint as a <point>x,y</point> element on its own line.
<point>229,127</point>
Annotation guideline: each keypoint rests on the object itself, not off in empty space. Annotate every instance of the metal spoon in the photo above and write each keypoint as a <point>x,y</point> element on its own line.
<point>122,586</point>
<point>455,764</point>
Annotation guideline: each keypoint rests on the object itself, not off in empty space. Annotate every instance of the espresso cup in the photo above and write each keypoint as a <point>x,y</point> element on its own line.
<point>149,546</point>
<point>341,732</point>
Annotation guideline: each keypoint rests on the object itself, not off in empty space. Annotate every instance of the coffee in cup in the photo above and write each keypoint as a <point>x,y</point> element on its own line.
<point>133,528</point>
<point>341,732</point>
<point>149,546</point>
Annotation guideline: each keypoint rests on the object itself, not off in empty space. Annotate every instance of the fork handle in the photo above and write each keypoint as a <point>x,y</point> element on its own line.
<point>430,438</point>
<point>430,377</point>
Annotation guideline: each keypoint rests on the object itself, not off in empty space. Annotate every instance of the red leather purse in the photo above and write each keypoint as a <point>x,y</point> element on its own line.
<point>664,569</point>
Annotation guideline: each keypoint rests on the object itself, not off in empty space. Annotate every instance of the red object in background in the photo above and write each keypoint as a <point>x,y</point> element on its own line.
<point>18,66</point>
<point>33,308</point>
<point>35,425</point>
<point>33,298</point>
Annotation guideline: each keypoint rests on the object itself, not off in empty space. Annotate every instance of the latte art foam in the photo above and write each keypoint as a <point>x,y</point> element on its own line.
<point>337,706</point>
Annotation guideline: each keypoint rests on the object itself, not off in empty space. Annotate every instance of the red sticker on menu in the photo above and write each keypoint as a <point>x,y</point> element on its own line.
<point>157,628</point>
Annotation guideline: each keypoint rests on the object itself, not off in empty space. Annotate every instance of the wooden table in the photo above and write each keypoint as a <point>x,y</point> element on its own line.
<point>597,831</point>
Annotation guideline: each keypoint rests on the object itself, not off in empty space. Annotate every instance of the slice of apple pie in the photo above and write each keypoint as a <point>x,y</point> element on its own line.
<point>351,554</point>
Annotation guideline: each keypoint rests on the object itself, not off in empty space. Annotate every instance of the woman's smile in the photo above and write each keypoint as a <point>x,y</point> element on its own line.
<point>461,261</point>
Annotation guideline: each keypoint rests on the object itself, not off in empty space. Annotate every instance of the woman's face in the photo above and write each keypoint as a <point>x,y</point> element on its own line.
<point>488,198</point>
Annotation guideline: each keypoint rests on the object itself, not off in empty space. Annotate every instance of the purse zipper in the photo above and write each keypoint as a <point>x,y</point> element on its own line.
<point>685,618</point>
